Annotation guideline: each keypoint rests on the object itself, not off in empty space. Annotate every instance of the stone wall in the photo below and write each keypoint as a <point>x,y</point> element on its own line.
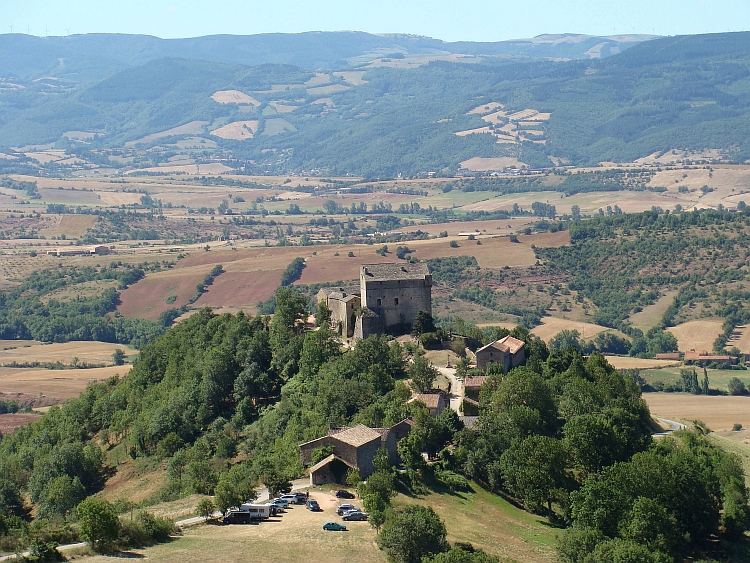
<point>397,302</point>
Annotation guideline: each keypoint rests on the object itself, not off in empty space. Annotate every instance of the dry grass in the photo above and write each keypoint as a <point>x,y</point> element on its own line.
<point>652,314</point>
<point>282,107</point>
<point>353,77</point>
<point>75,226</point>
<point>187,129</point>
<point>58,384</point>
<point>479,163</point>
<point>90,352</point>
<point>479,130</point>
<point>718,412</point>
<point>696,335</point>
<point>552,325</point>
<point>234,97</point>
<point>486,108</point>
<point>740,339</point>
<point>135,486</point>
<point>327,90</point>
<point>626,362</point>
<point>492,524</point>
<point>237,130</point>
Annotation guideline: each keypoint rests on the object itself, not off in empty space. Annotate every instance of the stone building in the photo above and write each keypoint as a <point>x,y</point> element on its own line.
<point>387,300</point>
<point>353,448</point>
<point>436,402</point>
<point>508,352</point>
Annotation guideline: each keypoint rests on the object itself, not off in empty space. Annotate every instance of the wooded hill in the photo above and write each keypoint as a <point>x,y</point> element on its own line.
<point>687,92</point>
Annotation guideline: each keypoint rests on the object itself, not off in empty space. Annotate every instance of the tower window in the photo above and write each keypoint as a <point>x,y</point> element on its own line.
<point>378,302</point>
<point>396,300</point>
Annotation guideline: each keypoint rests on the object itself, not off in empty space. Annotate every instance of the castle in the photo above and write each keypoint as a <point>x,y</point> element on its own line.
<point>387,300</point>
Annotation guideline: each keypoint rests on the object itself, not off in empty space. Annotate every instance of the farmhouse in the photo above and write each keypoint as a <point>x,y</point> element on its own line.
<point>387,300</point>
<point>508,352</point>
<point>435,402</point>
<point>702,357</point>
<point>353,448</point>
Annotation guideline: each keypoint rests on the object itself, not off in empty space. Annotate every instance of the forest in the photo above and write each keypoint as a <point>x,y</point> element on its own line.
<point>224,400</point>
<point>404,121</point>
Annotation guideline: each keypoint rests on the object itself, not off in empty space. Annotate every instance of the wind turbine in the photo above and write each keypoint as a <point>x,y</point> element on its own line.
<point>67,31</point>
<point>46,31</point>
<point>11,28</point>
<point>28,30</point>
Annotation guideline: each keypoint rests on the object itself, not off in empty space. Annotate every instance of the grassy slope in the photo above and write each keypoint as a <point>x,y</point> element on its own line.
<point>487,521</point>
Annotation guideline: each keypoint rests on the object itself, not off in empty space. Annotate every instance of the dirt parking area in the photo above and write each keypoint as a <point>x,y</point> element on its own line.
<point>294,536</point>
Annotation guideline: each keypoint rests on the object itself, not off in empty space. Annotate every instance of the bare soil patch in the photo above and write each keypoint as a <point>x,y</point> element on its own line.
<point>148,297</point>
<point>697,335</point>
<point>9,422</point>
<point>718,412</point>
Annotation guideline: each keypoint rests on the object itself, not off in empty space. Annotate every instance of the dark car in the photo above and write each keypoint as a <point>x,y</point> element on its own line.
<point>301,498</point>
<point>313,505</point>
<point>344,494</point>
<point>285,490</point>
<point>354,515</point>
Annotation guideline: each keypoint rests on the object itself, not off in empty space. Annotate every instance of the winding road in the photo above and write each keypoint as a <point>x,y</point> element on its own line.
<point>673,427</point>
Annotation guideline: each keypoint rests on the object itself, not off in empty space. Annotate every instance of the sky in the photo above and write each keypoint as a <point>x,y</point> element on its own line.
<point>450,20</point>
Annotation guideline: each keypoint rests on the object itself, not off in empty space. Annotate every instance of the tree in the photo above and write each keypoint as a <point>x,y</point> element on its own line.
<point>323,315</point>
<point>422,374</point>
<point>592,442</point>
<point>564,339</point>
<point>60,496</point>
<point>705,381</point>
<point>462,553</point>
<point>534,471</point>
<point>413,533</point>
<point>423,322</point>
<point>118,358</point>
<point>735,386</point>
<point>575,212</point>
<point>353,478</point>
<point>99,523</point>
<point>205,508</point>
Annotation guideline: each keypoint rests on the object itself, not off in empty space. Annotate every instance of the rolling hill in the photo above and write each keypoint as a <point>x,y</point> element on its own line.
<point>408,114</point>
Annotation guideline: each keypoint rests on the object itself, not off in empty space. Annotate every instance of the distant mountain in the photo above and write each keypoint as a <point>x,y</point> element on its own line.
<point>405,113</point>
<point>81,58</point>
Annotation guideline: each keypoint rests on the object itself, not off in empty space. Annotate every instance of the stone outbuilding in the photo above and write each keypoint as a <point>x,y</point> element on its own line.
<point>435,402</point>
<point>509,352</point>
<point>353,448</point>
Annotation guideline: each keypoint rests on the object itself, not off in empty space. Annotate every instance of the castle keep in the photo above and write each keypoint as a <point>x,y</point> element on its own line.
<point>387,300</point>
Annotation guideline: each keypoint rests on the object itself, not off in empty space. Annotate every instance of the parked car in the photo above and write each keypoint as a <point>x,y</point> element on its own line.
<point>291,499</point>
<point>285,490</point>
<point>300,498</point>
<point>277,508</point>
<point>334,527</point>
<point>344,494</point>
<point>346,507</point>
<point>280,502</point>
<point>313,505</point>
<point>354,515</point>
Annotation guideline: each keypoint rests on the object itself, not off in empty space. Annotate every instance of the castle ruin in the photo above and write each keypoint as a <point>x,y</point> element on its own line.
<point>387,300</point>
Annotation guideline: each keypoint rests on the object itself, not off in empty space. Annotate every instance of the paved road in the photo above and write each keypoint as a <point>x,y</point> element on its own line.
<point>673,427</point>
<point>457,388</point>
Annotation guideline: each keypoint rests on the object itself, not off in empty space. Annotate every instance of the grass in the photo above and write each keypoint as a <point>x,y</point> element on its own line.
<point>717,378</point>
<point>491,523</point>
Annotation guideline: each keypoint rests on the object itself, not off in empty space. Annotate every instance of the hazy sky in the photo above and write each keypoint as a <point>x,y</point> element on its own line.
<point>477,20</point>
